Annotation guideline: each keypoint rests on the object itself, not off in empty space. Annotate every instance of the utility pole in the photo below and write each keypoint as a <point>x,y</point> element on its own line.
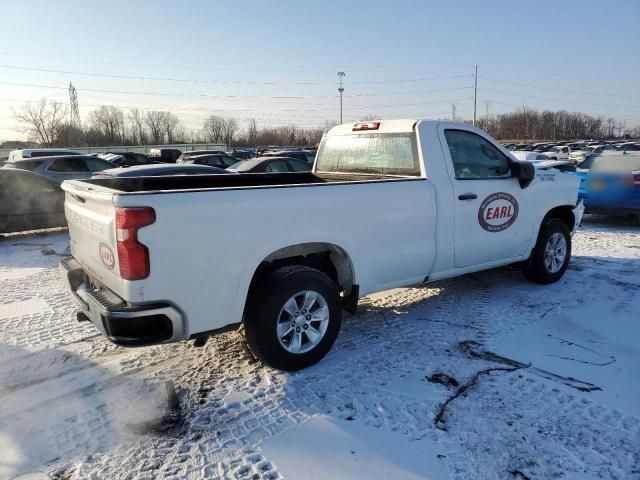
<point>475,96</point>
<point>524,114</point>
<point>74,114</point>
<point>341,89</point>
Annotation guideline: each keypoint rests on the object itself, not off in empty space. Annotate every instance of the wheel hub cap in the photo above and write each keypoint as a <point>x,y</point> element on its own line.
<point>555,252</point>
<point>302,322</point>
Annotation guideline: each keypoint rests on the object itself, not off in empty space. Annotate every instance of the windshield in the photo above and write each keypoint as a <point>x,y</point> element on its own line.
<point>245,165</point>
<point>378,153</point>
<point>618,163</point>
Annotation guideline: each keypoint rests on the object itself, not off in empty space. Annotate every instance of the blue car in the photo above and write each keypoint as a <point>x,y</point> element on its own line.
<point>610,184</point>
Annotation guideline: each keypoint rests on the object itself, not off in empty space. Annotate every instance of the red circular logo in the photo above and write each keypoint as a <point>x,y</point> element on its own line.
<point>498,212</point>
<point>106,255</point>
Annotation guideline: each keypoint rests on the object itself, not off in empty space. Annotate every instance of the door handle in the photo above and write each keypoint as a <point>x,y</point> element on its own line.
<point>467,196</point>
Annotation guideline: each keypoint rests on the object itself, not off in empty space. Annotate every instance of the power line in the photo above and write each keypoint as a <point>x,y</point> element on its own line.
<point>576,92</point>
<point>206,95</point>
<point>561,100</point>
<point>233,66</point>
<point>221,82</point>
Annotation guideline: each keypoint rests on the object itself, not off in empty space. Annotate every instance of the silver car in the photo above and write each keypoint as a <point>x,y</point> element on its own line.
<point>60,168</point>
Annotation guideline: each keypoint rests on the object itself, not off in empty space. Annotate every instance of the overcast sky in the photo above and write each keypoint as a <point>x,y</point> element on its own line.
<point>277,61</point>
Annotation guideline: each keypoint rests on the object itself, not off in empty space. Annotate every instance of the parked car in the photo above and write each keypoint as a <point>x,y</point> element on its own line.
<point>558,152</point>
<point>523,146</point>
<point>611,185</point>
<point>243,154</point>
<point>542,162</point>
<point>39,152</point>
<point>29,201</point>
<point>528,155</point>
<point>126,158</point>
<point>63,167</point>
<point>433,200</point>
<point>579,154</point>
<point>628,147</point>
<point>220,160</point>
<point>164,155</point>
<point>542,147</point>
<point>193,153</point>
<point>159,169</point>
<point>302,155</point>
<point>270,164</point>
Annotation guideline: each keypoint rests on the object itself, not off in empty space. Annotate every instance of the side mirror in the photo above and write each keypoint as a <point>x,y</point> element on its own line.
<point>525,172</point>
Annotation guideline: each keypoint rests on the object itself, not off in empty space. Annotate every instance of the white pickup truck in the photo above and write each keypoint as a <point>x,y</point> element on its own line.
<point>388,204</point>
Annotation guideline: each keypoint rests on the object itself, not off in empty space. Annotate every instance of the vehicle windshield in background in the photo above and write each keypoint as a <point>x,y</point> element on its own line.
<point>618,163</point>
<point>379,153</point>
<point>245,165</point>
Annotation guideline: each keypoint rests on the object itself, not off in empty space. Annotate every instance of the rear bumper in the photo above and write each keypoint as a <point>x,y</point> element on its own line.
<point>121,322</point>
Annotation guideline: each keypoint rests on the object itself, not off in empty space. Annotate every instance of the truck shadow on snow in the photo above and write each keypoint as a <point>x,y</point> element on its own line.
<point>57,407</point>
<point>33,250</point>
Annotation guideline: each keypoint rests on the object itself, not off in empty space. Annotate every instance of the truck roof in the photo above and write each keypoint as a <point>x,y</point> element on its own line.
<point>385,126</point>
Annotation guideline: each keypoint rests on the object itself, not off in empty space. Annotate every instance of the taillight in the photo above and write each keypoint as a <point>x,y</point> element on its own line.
<point>366,126</point>
<point>133,257</point>
<point>636,179</point>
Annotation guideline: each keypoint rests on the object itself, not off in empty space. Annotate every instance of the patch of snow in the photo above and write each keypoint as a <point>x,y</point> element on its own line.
<point>19,308</point>
<point>235,397</point>
<point>599,344</point>
<point>8,274</point>
<point>325,448</point>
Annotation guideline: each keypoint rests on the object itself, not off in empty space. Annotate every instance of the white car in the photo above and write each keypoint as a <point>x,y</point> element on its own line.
<point>25,153</point>
<point>387,204</point>
<point>560,152</point>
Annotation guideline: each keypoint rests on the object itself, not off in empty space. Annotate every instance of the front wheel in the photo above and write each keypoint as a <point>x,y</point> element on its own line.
<point>293,317</point>
<point>550,256</point>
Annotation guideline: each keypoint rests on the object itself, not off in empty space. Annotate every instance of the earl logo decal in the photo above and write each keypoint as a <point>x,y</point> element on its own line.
<point>106,255</point>
<point>497,212</point>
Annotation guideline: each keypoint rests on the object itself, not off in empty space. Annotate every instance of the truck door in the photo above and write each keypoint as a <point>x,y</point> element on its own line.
<point>492,217</point>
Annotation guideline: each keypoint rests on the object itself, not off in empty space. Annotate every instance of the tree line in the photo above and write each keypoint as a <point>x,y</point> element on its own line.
<point>48,123</point>
<point>526,124</point>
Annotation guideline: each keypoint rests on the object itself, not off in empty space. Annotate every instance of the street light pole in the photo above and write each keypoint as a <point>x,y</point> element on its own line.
<point>475,96</point>
<point>341,89</point>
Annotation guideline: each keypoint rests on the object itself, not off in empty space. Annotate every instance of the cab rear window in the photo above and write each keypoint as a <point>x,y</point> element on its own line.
<point>378,153</point>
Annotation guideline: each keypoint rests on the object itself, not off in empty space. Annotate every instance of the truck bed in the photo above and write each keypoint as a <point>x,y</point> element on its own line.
<point>230,181</point>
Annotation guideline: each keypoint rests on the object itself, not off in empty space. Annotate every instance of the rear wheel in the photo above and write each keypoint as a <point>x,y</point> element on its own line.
<point>293,317</point>
<point>551,255</point>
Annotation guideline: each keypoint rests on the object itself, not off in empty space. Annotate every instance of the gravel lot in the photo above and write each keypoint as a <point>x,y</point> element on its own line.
<point>547,382</point>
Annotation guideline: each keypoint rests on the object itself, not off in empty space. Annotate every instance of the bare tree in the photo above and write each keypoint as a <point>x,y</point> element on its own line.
<point>43,121</point>
<point>155,121</point>
<point>252,132</point>
<point>171,123</point>
<point>109,122</point>
<point>230,129</point>
<point>137,131</point>
<point>213,128</point>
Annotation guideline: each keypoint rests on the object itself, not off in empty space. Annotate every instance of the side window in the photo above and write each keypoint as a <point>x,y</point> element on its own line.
<point>474,157</point>
<point>68,165</point>
<point>277,166</point>
<point>298,166</point>
<point>97,165</point>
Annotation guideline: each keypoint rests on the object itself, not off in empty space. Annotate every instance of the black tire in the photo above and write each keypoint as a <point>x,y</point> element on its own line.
<point>265,306</point>
<point>536,269</point>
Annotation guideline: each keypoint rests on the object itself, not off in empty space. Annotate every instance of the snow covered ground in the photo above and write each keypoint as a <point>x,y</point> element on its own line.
<point>547,383</point>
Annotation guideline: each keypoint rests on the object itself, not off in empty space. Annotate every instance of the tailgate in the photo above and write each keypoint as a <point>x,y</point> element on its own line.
<point>90,214</point>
